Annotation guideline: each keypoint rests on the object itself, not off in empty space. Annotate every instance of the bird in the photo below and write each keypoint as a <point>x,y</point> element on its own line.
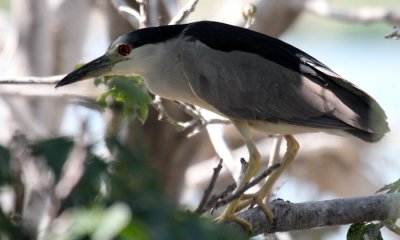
<point>258,82</point>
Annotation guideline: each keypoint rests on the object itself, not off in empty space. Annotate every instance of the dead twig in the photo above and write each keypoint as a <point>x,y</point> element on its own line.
<point>243,168</point>
<point>130,14</point>
<point>214,198</point>
<point>143,7</point>
<point>209,188</point>
<point>184,12</point>
<point>240,192</point>
<point>198,122</point>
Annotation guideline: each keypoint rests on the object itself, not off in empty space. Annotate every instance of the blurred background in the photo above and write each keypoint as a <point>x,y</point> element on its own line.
<point>45,38</point>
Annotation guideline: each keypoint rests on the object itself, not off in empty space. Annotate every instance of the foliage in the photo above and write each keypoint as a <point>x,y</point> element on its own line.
<point>129,92</point>
<point>5,176</point>
<point>117,198</point>
<point>391,188</point>
<point>362,231</point>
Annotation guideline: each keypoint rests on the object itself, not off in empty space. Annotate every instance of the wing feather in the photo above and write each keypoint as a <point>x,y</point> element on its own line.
<point>248,75</point>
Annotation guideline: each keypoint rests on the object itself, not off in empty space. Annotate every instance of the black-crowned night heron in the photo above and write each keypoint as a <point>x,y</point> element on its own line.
<point>256,81</point>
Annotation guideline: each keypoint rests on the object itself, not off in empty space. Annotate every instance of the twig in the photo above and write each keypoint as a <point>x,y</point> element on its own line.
<point>249,185</point>
<point>249,14</point>
<point>214,198</point>
<point>243,169</point>
<point>184,12</point>
<point>209,188</point>
<point>198,122</point>
<point>163,114</point>
<point>129,13</point>
<point>363,15</point>
<point>144,20</point>
<point>395,34</point>
<point>32,80</point>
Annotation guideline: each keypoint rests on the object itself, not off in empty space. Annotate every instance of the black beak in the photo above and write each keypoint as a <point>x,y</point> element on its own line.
<point>96,68</point>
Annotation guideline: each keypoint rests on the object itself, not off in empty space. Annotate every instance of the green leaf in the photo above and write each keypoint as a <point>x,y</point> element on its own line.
<point>88,188</point>
<point>79,65</point>
<point>372,231</point>
<point>101,100</point>
<point>360,231</point>
<point>355,231</point>
<point>114,219</point>
<point>391,188</point>
<point>143,112</point>
<point>98,81</point>
<point>5,170</point>
<point>55,151</point>
<point>129,92</point>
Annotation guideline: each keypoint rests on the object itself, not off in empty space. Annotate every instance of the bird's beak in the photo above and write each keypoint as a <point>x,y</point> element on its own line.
<point>99,67</point>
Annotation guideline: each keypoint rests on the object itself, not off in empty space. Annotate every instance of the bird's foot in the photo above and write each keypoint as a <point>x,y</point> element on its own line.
<point>257,199</point>
<point>226,217</point>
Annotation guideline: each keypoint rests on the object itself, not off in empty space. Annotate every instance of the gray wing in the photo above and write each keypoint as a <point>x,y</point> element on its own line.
<point>247,86</point>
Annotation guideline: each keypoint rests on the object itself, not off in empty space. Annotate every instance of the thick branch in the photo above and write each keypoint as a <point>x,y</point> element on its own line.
<point>296,216</point>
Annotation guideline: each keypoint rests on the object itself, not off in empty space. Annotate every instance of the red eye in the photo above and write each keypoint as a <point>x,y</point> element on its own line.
<point>124,49</point>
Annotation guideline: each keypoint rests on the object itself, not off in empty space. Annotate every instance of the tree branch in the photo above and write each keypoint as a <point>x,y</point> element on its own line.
<point>246,187</point>
<point>395,34</point>
<point>184,12</point>
<point>32,80</point>
<point>296,216</point>
<point>143,8</point>
<point>364,15</point>
<point>211,185</point>
<point>129,13</point>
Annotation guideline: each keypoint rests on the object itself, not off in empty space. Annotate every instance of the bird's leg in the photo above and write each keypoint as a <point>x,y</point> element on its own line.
<point>252,169</point>
<point>290,154</point>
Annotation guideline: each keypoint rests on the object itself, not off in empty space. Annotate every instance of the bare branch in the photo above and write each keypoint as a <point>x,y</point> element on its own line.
<point>210,187</point>
<point>214,198</point>
<point>395,34</point>
<point>144,20</point>
<point>364,15</point>
<point>129,13</point>
<point>184,12</point>
<point>198,123</point>
<point>296,216</point>
<point>243,168</point>
<point>32,80</point>
<point>249,14</point>
<point>249,185</point>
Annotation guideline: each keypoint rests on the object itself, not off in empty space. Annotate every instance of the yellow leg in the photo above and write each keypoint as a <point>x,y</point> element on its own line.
<point>252,169</point>
<point>290,154</point>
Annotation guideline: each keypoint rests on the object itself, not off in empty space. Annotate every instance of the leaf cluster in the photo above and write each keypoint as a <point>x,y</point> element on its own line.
<point>116,198</point>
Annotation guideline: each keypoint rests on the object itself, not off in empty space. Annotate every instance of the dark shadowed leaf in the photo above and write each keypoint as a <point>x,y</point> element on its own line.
<point>361,231</point>
<point>5,175</point>
<point>7,228</point>
<point>55,151</point>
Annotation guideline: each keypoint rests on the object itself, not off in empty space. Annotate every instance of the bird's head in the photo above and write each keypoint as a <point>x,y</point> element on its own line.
<point>125,56</point>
